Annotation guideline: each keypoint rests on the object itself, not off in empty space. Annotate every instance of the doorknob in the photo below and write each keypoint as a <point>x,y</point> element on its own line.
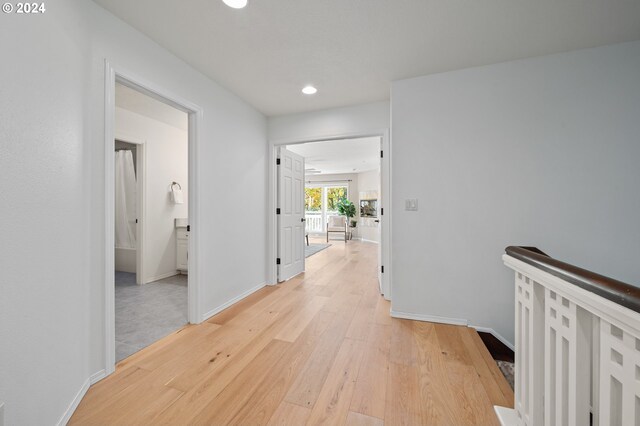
<point>303,220</point>
<point>376,221</point>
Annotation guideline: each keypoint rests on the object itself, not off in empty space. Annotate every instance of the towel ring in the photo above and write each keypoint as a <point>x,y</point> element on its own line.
<point>175,183</point>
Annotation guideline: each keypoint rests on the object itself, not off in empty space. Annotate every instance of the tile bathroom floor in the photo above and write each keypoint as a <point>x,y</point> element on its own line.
<point>146,313</point>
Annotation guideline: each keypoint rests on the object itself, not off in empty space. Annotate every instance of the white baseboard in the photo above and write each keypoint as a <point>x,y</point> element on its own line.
<point>162,276</point>
<point>495,334</point>
<point>97,376</point>
<point>74,404</point>
<point>429,318</point>
<point>236,299</point>
<point>368,241</point>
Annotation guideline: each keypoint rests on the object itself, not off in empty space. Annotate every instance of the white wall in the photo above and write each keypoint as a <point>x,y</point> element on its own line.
<point>368,228</point>
<point>167,161</point>
<point>373,117</point>
<point>52,162</point>
<point>540,152</point>
<point>44,292</point>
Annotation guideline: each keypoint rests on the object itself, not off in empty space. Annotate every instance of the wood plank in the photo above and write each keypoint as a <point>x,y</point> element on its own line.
<point>438,408</point>
<point>289,414</point>
<point>358,419</point>
<point>465,401</point>
<point>451,344</point>
<point>212,384</point>
<point>361,323</point>
<point>306,388</point>
<point>382,314</point>
<point>264,400</point>
<point>332,406</point>
<point>371,387</point>
<point>132,406</point>
<point>402,407</point>
<point>243,305</point>
<point>495,371</point>
<point>300,321</point>
<point>403,345</point>
<point>487,379</point>
<point>224,407</point>
<point>232,342</point>
<point>167,354</point>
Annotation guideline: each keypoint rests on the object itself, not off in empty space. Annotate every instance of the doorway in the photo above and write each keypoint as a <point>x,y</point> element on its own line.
<point>151,218</point>
<point>339,173</point>
<point>159,270</point>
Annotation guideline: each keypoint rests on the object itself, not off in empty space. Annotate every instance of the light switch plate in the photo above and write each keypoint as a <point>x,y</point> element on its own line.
<point>411,204</point>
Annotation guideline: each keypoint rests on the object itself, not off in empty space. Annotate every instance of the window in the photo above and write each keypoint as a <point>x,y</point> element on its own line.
<point>321,202</point>
<point>313,199</point>
<point>334,195</point>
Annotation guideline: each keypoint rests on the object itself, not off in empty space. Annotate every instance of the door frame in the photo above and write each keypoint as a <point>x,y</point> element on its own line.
<point>141,182</point>
<point>120,75</point>
<point>385,237</point>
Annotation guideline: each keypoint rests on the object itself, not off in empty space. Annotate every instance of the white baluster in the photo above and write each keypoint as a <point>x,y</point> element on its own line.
<point>529,355</point>
<point>567,362</point>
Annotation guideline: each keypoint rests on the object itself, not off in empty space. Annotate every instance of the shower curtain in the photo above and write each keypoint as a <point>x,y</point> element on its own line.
<point>125,202</point>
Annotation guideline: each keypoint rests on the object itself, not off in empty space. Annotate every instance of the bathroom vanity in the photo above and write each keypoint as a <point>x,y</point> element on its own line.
<point>182,245</point>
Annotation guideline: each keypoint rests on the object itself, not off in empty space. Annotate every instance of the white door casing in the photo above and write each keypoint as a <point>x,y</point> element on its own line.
<point>291,225</point>
<point>195,119</point>
<point>380,220</point>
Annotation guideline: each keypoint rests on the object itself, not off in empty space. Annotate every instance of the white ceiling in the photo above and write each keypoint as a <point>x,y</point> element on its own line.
<point>340,156</point>
<point>352,49</point>
<point>132,100</point>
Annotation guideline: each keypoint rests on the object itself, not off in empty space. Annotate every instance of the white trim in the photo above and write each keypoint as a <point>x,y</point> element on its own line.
<point>113,74</point>
<point>236,299</point>
<point>506,416</point>
<point>151,280</point>
<point>496,335</point>
<point>74,404</point>
<point>141,186</point>
<point>97,376</point>
<point>387,258</point>
<point>429,318</point>
<point>367,241</point>
<point>109,206</point>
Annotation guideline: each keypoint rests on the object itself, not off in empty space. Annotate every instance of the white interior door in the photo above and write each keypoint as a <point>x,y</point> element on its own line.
<point>291,221</point>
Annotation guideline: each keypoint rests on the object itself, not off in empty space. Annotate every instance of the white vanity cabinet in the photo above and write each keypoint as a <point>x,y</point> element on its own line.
<point>182,249</point>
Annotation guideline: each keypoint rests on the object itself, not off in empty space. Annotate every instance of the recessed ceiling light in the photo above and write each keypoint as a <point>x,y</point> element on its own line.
<point>236,4</point>
<point>309,90</point>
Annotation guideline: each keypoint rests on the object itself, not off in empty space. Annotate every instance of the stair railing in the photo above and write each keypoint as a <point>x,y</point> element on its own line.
<point>577,345</point>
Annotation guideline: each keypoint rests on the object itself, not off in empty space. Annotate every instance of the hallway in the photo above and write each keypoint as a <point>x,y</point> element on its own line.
<point>320,348</point>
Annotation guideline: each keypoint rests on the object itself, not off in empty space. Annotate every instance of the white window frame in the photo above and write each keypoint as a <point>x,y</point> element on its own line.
<point>325,186</point>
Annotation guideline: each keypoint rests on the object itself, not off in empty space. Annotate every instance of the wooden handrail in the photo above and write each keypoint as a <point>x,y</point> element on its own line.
<point>616,291</point>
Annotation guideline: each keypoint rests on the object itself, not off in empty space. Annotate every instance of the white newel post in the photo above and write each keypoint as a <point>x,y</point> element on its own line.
<point>577,354</point>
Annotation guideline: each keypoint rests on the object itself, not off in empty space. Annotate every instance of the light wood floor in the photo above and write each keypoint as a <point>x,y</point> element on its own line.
<point>318,349</point>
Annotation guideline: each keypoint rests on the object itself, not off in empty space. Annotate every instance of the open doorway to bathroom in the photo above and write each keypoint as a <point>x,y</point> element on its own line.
<point>151,191</point>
